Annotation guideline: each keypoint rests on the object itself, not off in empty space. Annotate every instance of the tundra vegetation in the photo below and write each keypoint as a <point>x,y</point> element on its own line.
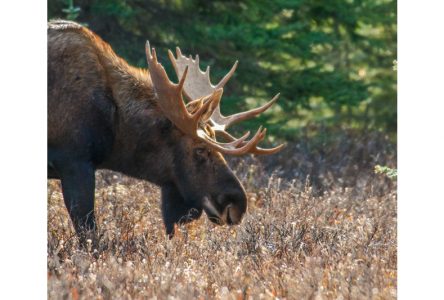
<point>321,217</point>
<point>300,239</point>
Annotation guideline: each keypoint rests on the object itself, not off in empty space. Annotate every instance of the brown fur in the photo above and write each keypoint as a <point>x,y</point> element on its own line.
<point>102,113</point>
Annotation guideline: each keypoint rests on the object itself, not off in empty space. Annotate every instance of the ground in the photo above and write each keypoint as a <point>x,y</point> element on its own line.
<point>297,241</point>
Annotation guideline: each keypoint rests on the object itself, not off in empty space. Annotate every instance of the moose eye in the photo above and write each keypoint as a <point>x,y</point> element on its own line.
<point>201,154</point>
<point>201,151</point>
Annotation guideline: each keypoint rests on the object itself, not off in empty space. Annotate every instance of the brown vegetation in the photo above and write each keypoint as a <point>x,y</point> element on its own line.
<point>331,235</point>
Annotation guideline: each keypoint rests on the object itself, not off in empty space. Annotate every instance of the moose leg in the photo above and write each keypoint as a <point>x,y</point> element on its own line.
<point>78,184</point>
<point>175,210</point>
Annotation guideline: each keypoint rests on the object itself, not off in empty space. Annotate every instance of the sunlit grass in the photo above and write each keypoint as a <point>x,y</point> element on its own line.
<point>296,242</point>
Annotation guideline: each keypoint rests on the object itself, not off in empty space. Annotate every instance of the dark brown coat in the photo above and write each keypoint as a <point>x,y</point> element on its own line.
<point>102,113</point>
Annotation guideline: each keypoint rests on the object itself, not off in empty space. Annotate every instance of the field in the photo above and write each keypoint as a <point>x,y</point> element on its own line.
<point>320,225</point>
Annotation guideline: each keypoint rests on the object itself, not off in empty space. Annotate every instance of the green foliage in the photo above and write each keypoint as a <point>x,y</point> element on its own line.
<point>391,173</point>
<point>332,60</point>
<point>71,12</point>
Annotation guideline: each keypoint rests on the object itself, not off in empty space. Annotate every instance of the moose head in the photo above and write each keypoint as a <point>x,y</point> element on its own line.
<point>202,177</point>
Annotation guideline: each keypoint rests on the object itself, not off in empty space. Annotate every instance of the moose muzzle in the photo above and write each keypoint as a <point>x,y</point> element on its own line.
<point>228,209</point>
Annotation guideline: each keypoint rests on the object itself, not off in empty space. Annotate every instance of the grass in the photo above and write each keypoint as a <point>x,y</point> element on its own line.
<point>325,235</point>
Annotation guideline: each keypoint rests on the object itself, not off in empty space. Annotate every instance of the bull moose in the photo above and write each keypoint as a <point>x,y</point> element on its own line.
<point>105,114</point>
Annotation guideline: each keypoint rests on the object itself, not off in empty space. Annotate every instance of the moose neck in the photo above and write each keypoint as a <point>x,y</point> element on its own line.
<point>141,131</point>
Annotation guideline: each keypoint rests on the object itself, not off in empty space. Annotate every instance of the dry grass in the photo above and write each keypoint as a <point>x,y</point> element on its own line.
<point>294,243</point>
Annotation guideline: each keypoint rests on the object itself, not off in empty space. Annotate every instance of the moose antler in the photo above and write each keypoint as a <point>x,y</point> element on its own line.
<point>171,103</point>
<point>206,98</point>
<point>199,85</point>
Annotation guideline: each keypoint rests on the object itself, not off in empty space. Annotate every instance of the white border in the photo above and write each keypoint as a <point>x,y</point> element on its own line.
<point>421,151</point>
<point>23,150</point>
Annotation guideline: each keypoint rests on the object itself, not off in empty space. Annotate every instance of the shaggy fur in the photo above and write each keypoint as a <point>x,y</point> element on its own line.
<point>102,113</point>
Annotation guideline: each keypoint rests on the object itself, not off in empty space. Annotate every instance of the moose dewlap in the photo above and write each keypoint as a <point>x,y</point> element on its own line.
<point>106,114</point>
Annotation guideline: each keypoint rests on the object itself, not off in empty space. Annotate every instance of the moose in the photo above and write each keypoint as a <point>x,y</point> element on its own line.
<point>105,114</point>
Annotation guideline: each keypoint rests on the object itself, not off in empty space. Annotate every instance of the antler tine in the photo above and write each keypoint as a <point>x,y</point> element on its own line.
<point>251,144</point>
<point>178,52</point>
<point>227,76</point>
<point>223,122</point>
<point>263,151</point>
<point>198,114</point>
<point>235,143</point>
<point>245,148</point>
<point>182,80</point>
<point>148,51</point>
<point>256,150</point>
<point>214,100</point>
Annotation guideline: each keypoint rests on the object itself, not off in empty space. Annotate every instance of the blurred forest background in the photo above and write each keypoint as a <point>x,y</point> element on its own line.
<point>334,62</point>
<point>322,216</point>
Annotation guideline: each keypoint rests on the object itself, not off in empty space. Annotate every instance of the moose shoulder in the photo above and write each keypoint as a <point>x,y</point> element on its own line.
<point>103,113</point>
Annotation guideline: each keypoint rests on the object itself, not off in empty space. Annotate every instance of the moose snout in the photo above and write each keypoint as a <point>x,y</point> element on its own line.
<point>235,205</point>
<point>227,209</point>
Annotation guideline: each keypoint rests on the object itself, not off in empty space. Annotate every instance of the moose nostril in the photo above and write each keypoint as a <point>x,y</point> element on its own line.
<point>235,206</point>
<point>234,215</point>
